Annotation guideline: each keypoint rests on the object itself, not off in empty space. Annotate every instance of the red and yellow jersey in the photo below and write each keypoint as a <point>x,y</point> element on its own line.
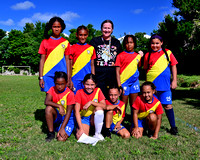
<point>116,116</point>
<point>55,51</point>
<point>81,56</point>
<point>145,108</point>
<point>82,98</point>
<point>65,98</point>
<point>128,63</point>
<point>158,69</point>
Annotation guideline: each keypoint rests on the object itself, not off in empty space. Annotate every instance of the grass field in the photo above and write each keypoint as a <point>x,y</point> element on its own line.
<point>23,129</point>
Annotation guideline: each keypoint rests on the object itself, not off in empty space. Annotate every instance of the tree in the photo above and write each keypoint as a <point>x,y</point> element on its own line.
<point>2,33</point>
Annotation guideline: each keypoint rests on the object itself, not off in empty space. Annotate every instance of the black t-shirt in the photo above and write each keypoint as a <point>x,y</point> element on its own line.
<point>106,50</point>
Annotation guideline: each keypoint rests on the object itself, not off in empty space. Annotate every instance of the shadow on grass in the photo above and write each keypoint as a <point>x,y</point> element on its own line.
<point>190,97</point>
<point>40,115</point>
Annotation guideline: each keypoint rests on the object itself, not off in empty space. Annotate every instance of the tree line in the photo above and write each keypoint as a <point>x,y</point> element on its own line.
<point>181,34</point>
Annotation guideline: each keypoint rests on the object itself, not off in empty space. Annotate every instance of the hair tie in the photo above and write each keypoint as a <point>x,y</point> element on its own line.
<point>156,36</point>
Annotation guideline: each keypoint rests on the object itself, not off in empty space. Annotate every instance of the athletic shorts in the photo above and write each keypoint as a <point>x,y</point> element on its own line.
<point>141,123</point>
<point>77,85</point>
<point>130,89</point>
<point>86,120</point>
<point>165,97</point>
<point>59,120</point>
<point>112,126</point>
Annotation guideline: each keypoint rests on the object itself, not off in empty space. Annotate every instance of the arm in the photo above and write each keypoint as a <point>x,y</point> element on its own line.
<point>41,81</point>
<point>69,70</point>
<point>101,104</point>
<point>49,102</point>
<point>159,118</point>
<point>62,132</point>
<point>135,131</point>
<point>174,77</point>
<point>78,119</point>
<point>118,79</point>
<point>92,67</point>
<point>112,107</point>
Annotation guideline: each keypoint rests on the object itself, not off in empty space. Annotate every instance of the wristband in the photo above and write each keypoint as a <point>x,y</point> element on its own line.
<point>40,78</point>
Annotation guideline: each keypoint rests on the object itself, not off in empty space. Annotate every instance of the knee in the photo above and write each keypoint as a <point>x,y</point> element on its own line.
<point>126,135</point>
<point>48,110</point>
<point>167,107</point>
<point>152,117</point>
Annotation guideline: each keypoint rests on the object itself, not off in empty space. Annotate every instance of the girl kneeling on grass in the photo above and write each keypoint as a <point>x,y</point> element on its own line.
<point>115,114</point>
<point>59,109</point>
<point>147,112</point>
<point>90,103</point>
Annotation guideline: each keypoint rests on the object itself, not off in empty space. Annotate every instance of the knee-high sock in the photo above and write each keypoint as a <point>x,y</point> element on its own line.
<point>98,121</point>
<point>171,117</point>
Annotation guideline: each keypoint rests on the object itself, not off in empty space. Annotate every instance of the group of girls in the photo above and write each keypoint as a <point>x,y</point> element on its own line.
<point>75,102</point>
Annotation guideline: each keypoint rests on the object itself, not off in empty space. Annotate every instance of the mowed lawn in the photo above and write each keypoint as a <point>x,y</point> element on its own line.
<point>23,129</point>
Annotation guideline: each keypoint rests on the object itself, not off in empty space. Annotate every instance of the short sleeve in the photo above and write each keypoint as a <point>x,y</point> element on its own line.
<point>117,63</point>
<point>67,50</point>
<point>93,55</point>
<point>173,60</point>
<point>159,109</point>
<point>51,91</point>
<point>136,104</point>
<point>101,96</point>
<point>42,49</point>
<point>78,97</point>
<point>146,61</point>
<point>70,98</point>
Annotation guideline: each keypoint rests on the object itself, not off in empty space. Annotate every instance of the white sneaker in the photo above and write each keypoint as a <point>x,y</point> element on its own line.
<point>99,136</point>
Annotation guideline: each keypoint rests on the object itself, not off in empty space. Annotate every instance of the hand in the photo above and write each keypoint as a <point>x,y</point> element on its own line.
<point>154,137</point>
<point>87,105</point>
<point>62,136</point>
<point>173,84</point>
<point>136,133</point>
<point>70,85</point>
<point>79,133</point>
<point>117,127</point>
<point>41,83</point>
<point>118,110</point>
<point>141,53</point>
<point>61,110</point>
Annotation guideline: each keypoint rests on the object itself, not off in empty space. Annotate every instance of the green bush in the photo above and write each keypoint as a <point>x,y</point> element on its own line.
<point>16,70</point>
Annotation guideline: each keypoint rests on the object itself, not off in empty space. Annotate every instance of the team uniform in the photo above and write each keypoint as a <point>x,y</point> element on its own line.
<point>82,97</point>
<point>129,74</point>
<point>106,53</point>
<point>81,56</point>
<point>65,98</point>
<point>55,50</point>
<point>158,72</point>
<point>116,116</point>
<point>146,108</point>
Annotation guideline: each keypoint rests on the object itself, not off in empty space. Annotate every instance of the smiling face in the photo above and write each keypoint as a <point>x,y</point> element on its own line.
<point>56,29</point>
<point>147,93</point>
<point>130,44</point>
<point>106,30</point>
<point>156,44</point>
<point>60,84</point>
<point>114,95</point>
<point>89,86</point>
<point>82,35</point>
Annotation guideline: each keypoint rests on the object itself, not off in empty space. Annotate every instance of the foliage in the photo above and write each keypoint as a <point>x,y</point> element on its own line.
<point>23,129</point>
<point>142,42</point>
<point>2,33</point>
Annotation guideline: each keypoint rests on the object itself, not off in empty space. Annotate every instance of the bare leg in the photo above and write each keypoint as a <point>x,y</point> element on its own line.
<point>51,115</point>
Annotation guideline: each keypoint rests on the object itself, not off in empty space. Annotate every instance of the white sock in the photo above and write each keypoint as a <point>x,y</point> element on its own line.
<point>98,121</point>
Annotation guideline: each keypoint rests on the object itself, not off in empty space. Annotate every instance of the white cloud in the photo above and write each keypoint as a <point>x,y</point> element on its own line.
<point>137,11</point>
<point>24,21</point>
<point>23,5</point>
<point>9,22</point>
<point>67,16</point>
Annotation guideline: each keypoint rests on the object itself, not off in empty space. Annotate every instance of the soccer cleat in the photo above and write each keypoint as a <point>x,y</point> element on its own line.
<point>50,136</point>
<point>174,131</point>
<point>99,136</point>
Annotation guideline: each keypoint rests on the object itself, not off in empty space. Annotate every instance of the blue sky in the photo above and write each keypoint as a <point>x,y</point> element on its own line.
<point>129,16</point>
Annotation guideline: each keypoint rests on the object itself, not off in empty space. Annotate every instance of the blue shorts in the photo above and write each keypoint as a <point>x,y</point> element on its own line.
<point>77,85</point>
<point>59,120</point>
<point>130,89</point>
<point>112,126</point>
<point>165,97</point>
<point>141,123</point>
<point>86,120</point>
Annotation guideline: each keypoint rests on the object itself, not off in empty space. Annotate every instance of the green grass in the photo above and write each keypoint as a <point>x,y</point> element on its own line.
<point>23,129</point>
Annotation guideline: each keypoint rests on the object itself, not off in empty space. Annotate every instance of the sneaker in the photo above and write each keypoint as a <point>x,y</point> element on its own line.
<point>50,136</point>
<point>174,131</point>
<point>99,136</point>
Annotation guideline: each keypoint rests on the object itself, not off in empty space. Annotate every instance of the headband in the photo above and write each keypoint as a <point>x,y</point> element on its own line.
<point>156,36</point>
